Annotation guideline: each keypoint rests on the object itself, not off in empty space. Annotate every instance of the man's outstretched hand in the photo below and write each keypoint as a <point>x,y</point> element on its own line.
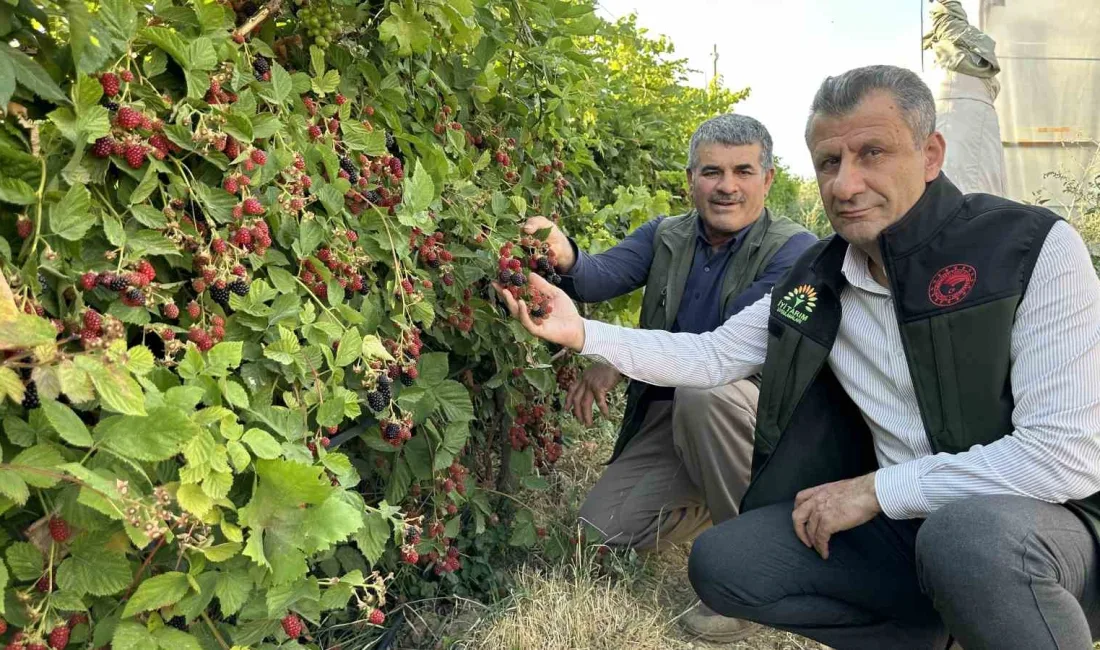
<point>563,326</point>
<point>559,243</point>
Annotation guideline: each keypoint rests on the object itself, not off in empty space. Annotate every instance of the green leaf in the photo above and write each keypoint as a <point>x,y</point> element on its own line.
<point>148,216</point>
<point>423,312</point>
<point>7,88</point>
<point>25,331</point>
<point>454,400</point>
<point>372,348</point>
<point>13,486</point>
<point>281,85</point>
<point>152,438</point>
<point>169,638</point>
<point>4,586</point>
<point>235,394</point>
<point>158,591</point>
<point>332,521</point>
<point>112,227</point>
<point>67,424</point>
<point>70,218</point>
<point>262,443</point>
<point>33,77</point>
<point>328,83</point>
<point>89,53</point>
<point>11,385</point>
<point>15,190</point>
<point>25,560</point>
<point>372,537</point>
<point>331,413</point>
<point>223,356</point>
<point>201,54</point>
<point>74,382</point>
<point>19,432</point>
<point>350,347</point>
<point>148,183</point>
<point>94,569</point>
<point>39,463</point>
<point>212,16</point>
<point>139,360</point>
<point>232,590</point>
<point>167,40</point>
<point>238,126</point>
<point>117,390</point>
<point>120,18</point>
<point>316,61</point>
<point>408,28</point>
<point>221,552</point>
<point>216,202</point>
<point>358,138</point>
<point>239,457</point>
<point>192,499</point>
<point>218,484</point>
<point>132,636</point>
<point>283,350</point>
<point>333,200</point>
<point>433,368</point>
<point>419,190</point>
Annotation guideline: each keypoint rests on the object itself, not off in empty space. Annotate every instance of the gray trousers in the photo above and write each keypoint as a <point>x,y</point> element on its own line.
<point>687,467</point>
<point>996,572</point>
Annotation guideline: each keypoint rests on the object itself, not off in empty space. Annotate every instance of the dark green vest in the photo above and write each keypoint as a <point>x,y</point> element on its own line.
<point>958,267</point>
<point>674,250</point>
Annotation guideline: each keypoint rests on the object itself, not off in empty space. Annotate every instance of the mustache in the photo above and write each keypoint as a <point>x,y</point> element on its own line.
<point>727,198</point>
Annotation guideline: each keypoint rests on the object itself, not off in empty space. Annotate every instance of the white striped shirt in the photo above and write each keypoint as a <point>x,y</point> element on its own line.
<point>1054,453</point>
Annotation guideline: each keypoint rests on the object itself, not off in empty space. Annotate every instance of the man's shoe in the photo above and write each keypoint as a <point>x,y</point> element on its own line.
<point>708,625</point>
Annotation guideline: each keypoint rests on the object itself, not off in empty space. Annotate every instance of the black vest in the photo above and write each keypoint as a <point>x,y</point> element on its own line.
<point>958,267</point>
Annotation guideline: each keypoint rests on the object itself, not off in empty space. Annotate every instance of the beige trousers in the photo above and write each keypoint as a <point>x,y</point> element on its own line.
<point>687,468</point>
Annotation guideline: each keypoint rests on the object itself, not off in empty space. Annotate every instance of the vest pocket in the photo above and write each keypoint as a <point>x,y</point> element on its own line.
<point>952,425</point>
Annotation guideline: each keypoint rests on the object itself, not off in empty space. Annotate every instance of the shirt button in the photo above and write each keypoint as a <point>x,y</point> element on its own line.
<point>707,269</point>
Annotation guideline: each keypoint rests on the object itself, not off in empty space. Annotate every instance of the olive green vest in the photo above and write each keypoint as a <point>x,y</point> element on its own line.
<point>958,268</point>
<point>673,252</point>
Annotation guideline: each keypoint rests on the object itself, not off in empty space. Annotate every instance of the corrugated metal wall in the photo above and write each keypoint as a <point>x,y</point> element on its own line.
<point>1049,105</point>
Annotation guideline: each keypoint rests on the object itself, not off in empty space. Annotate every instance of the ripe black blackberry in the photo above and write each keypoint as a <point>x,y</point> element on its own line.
<point>555,278</point>
<point>347,165</point>
<point>30,396</point>
<point>118,283</point>
<point>112,106</point>
<point>537,312</point>
<point>376,400</point>
<point>406,380</point>
<point>384,388</point>
<point>220,293</point>
<point>260,67</point>
<point>505,276</point>
<point>374,197</point>
<point>543,265</point>
<point>519,279</point>
<point>391,432</point>
<point>434,262</point>
<point>134,295</point>
<point>391,143</point>
<point>239,287</point>
<point>178,622</point>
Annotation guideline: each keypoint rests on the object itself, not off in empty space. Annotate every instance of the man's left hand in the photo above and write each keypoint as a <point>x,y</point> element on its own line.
<point>821,511</point>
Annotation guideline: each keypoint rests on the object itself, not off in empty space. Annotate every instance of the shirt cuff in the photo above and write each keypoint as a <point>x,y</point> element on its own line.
<point>898,490</point>
<point>599,341</point>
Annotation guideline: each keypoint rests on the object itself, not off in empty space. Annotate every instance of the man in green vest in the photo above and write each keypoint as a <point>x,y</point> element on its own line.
<point>683,457</point>
<point>927,447</point>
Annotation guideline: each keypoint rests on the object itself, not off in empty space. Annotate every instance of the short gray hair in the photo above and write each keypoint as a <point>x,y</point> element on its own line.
<point>840,95</point>
<point>731,130</point>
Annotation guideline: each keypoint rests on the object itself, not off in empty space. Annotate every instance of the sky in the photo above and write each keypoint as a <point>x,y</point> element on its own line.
<point>782,49</point>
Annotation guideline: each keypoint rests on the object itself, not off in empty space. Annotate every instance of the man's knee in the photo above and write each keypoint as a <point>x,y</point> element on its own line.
<point>735,404</point>
<point>616,523</point>
<point>968,540</point>
<point>725,571</point>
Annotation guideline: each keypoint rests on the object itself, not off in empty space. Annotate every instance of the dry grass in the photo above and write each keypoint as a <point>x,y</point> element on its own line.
<point>620,601</point>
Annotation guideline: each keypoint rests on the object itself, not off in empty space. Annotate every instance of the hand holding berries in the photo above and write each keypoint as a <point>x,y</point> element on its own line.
<point>559,244</point>
<point>563,325</point>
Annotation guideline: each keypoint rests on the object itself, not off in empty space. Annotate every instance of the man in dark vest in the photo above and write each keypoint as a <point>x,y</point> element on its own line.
<point>927,448</point>
<point>682,458</point>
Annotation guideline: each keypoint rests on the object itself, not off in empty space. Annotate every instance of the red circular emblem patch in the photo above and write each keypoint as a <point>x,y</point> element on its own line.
<point>951,284</point>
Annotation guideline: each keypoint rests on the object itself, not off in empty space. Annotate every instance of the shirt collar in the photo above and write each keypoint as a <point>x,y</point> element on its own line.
<point>701,236</point>
<point>858,274</point>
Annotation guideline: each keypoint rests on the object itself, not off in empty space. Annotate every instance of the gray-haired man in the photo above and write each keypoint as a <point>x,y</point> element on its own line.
<point>683,456</point>
<point>927,448</point>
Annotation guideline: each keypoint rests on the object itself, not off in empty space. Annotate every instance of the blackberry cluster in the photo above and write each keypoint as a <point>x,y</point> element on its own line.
<point>239,287</point>
<point>377,401</point>
<point>347,165</point>
<point>118,283</point>
<point>30,396</point>
<point>261,67</point>
<point>391,432</point>
<point>220,293</point>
